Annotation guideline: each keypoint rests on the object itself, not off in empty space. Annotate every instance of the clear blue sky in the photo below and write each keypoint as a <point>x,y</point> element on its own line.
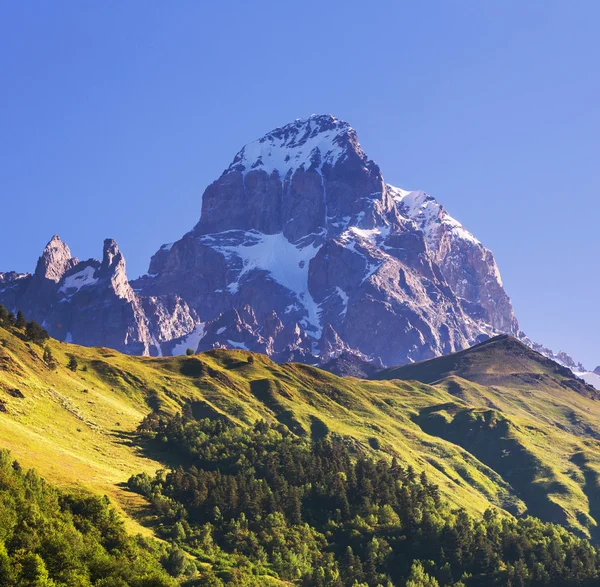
<point>114,117</point>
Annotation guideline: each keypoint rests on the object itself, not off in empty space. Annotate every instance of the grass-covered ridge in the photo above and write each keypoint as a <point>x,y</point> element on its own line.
<point>528,418</point>
<point>77,427</point>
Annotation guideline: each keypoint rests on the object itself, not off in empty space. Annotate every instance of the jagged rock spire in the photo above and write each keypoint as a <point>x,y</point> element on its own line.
<point>114,268</point>
<point>55,261</point>
<point>112,258</point>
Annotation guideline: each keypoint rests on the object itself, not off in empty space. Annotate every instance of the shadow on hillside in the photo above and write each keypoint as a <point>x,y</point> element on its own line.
<point>591,488</point>
<point>233,362</point>
<point>318,428</point>
<point>138,508</point>
<point>495,442</point>
<point>150,448</point>
<point>267,392</point>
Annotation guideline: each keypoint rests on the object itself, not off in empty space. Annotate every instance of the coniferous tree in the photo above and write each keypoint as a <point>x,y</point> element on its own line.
<point>176,562</point>
<point>72,364</point>
<point>419,578</point>
<point>20,320</point>
<point>6,568</point>
<point>35,333</point>
<point>49,357</point>
<point>4,316</point>
<point>34,571</point>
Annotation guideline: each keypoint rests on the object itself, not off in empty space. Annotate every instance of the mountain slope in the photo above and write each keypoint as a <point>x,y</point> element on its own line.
<point>78,428</point>
<point>75,427</point>
<point>491,362</point>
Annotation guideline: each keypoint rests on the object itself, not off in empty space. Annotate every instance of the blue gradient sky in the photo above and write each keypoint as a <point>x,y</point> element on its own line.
<point>114,116</point>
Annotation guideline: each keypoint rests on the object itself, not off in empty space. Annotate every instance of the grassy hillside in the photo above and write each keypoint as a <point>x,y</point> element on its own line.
<point>529,419</point>
<point>483,444</point>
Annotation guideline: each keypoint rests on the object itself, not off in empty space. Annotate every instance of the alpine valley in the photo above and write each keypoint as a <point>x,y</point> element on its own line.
<point>322,384</point>
<point>302,252</point>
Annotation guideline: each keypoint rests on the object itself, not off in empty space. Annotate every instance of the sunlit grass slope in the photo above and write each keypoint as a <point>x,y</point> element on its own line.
<point>480,443</point>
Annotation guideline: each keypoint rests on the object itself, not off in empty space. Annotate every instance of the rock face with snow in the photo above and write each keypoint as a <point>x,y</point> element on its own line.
<point>302,251</point>
<point>92,303</point>
<point>468,267</point>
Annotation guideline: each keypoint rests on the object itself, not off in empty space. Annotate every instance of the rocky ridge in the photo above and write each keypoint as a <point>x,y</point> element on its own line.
<point>92,303</point>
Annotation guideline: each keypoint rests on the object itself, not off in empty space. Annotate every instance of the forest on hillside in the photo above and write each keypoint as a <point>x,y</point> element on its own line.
<point>261,501</point>
<point>49,538</point>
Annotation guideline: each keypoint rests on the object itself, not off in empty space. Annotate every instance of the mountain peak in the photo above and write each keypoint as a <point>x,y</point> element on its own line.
<point>55,260</point>
<point>113,267</point>
<point>112,259</point>
<point>314,141</point>
<point>305,179</point>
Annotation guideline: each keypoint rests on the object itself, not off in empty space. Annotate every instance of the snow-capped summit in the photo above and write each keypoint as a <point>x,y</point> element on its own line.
<point>302,229</point>
<point>309,177</point>
<point>429,215</point>
<point>307,143</point>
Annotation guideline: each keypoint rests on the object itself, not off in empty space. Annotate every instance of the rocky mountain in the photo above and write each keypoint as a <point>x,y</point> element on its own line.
<point>92,303</point>
<point>302,252</point>
<point>302,249</point>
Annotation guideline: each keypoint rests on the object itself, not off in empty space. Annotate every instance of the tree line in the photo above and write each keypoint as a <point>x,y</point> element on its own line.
<point>31,331</point>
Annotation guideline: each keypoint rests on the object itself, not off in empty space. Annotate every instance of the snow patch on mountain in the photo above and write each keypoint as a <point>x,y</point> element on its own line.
<point>237,345</point>
<point>73,283</point>
<point>191,341</point>
<point>344,297</point>
<point>286,263</point>
<point>373,235</point>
